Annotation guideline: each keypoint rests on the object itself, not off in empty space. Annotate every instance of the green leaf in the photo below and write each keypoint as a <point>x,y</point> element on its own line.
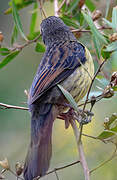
<point>8,58</point>
<point>4,51</point>
<point>93,28</point>
<point>105,54</point>
<point>72,5</point>
<point>69,22</point>
<point>107,7</point>
<point>114,18</point>
<point>111,47</point>
<point>110,120</point>
<point>40,48</point>
<point>68,97</point>
<point>14,35</point>
<point>18,21</point>
<point>33,19</point>
<point>108,23</point>
<point>99,76</point>
<point>110,127</point>
<point>19,4</point>
<point>113,25</point>
<point>97,46</point>
<point>105,135</point>
<point>34,35</point>
<point>114,88</point>
<point>90,5</point>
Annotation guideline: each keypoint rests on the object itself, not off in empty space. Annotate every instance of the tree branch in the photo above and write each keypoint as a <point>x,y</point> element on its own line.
<point>7,106</point>
<point>20,47</point>
<point>89,31</point>
<point>59,168</point>
<point>80,150</point>
<point>56,8</point>
<point>102,164</point>
<point>61,5</point>
<point>42,9</point>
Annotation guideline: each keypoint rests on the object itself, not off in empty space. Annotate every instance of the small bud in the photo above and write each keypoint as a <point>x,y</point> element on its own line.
<point>26,93</point>
<point>113,81</point>
<point>1,37</point>
<point>77,34</point>
<point>113,37</point>
<point>96,15</point>
<point>5,164</point>
<point>93,100</point>
<point>106,121</point>
<point>19,168</point>
<point>81,3</point>
<point>108,92</point>
<point>3,171</point>
<point>2,177</point>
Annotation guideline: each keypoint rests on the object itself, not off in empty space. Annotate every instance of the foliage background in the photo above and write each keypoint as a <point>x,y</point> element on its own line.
<point>15,124</point>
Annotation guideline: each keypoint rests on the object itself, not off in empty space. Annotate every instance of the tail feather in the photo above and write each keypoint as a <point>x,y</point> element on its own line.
<point>40,150</point>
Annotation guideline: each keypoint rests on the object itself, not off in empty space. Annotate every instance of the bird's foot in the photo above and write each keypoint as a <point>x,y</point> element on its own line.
<point>83,117</point>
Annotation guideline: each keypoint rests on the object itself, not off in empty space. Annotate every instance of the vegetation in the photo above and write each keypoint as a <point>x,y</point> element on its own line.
<point>97,29</point>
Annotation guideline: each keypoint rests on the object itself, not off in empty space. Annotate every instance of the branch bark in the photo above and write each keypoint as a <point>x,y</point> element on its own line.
<point>80,150</point>
<point>7,106</point>
<point>56,8</point>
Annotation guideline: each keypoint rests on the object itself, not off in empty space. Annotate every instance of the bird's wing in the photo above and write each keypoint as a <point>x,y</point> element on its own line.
<point>57,64</point>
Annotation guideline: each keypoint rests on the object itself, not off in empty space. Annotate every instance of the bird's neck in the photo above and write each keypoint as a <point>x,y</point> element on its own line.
<point>61,36</point>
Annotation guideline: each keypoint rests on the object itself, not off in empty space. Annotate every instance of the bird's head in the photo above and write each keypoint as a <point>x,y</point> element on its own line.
<point>54,30</point>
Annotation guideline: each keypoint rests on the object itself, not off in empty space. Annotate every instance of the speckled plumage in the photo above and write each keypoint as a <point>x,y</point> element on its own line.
<point>66,62</point>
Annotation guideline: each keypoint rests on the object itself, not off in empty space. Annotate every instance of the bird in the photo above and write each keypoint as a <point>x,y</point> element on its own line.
<point>66,62</point>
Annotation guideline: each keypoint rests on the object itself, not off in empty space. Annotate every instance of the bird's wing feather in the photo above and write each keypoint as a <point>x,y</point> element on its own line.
<point>57,64</point>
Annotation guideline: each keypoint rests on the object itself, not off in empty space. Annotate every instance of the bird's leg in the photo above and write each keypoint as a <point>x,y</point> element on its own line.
<point>83,117</point>
<point>67,116</point>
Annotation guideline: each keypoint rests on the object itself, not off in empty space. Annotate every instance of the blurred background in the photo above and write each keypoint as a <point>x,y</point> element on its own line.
<point>15,124</point>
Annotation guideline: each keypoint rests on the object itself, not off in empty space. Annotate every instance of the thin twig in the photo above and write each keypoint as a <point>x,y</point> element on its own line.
<point>61,5</point>
<point>87,97</point>
<point>16,174</point>
<point>20,47</point>
<point>60,168</point>
<point>42,9</point>
<point>102,164</point>
<point>7,106</point>
<point>56,8</point>
<point>89,31</point>
<point>81,151</point>
<point>93,137</point>
<point>98,70</point>
<point>56,175</point>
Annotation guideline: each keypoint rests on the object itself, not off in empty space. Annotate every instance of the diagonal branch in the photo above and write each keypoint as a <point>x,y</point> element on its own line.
<point>80,150</point>
<point>103,163</point>
<point>56,8</point>
<point>20,47</point>
<point>7,106</point>
<point>59,168</point>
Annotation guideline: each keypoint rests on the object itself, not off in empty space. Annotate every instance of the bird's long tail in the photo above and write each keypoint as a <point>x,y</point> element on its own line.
<point>40,150</point>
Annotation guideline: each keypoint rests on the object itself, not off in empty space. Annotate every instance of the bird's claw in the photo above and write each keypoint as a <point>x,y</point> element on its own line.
<point>83,117</point>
